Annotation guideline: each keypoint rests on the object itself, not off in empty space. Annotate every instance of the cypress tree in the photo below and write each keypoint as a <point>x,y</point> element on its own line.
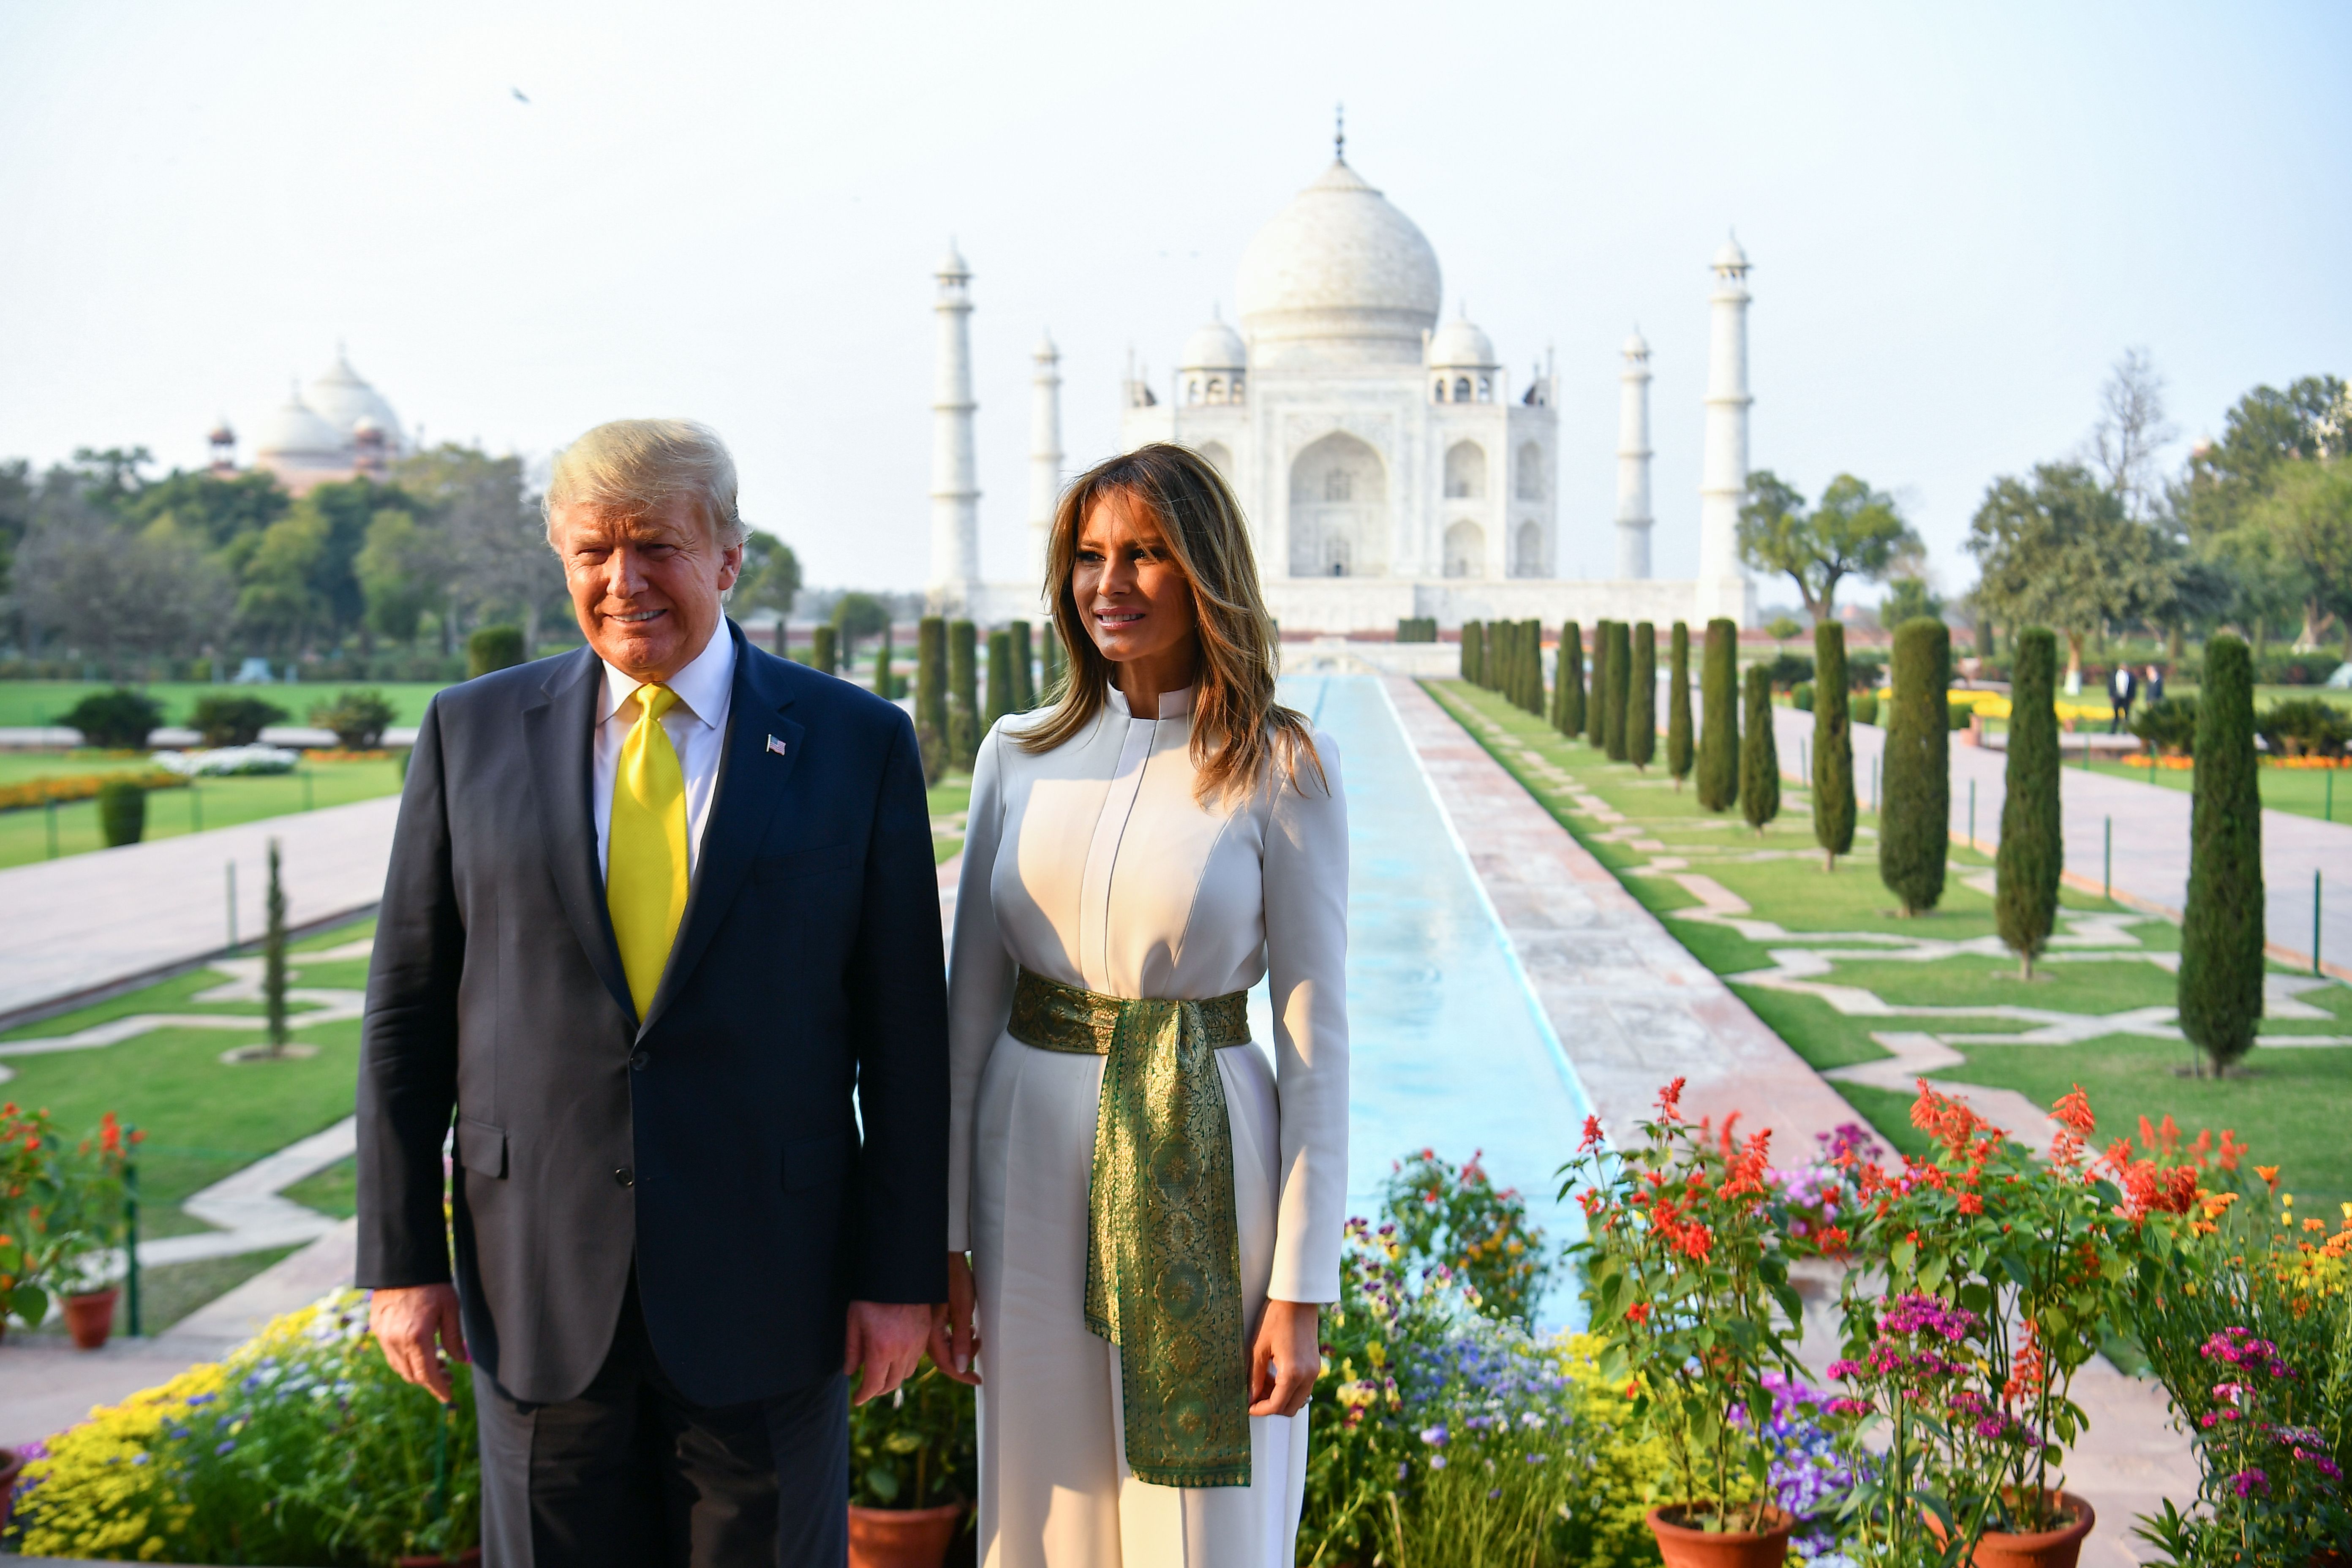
<point>1473,636</point>
<point>2220,990</point>
<point>1678,720</point>
<point>1053,659</point>
<point>822,649</point>
<point>1832,746</point>
<point>2032,852</point>
<point>883,678</point>
<point>273,955</point>
<point>1531,681</point>
<point>963,694</point>
<point>1596,709</point>
<point>1760,754</point>
<point>1718,717</point>
<point>1641,698</point>
<point>1503,664</point>
<point>1621,672</point>
<point>999,677</point>
<point>1915,819</point>
<point>932,695</point>
<point>1569,707</point>
<point>1024,680</point>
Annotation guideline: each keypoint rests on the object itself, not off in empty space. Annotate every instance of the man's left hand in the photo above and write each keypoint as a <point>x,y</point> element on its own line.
<point>886,1340</point>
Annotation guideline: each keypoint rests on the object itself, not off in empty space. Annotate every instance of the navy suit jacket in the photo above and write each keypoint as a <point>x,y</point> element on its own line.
<point>768,1143</point>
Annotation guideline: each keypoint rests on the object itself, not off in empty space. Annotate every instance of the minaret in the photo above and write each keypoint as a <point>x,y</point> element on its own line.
<point>1723,482</point>
<point>1045,452</point>
<point>1633,461</point>
<point>955,489</point>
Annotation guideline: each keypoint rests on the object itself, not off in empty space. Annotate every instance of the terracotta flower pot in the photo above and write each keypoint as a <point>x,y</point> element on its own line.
<point>901,1537</point>
<point>89,1318</point>
<point>1687,1546</point>
<point>2060,1548</point>
<point>469,1558</point>
<point>11,1465</point>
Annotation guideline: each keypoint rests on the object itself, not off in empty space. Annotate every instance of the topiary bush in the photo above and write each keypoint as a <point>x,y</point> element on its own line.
<point>1416,628</point>
<point>825,649</point>
<point>1641,698</point>
<point>1864,706</point>
<point>1596,711</point>
<point>1832,748</point>
<point>1000,679</point>
<point>1531,679</point>
<point>2033,851</point>
<point>1800,697</point>
<point>2305,727</point>
<point>1620,687</point>
<point>1786,669</point>
<point>1915,817</point>
<point>1024,680</point>
<point>358,719</point>
<point>1718,735</point>
<point>932,677</point>
<point>1760,755</point>
<point>1678,713</point>
<point>121,812</point>
<point>227,719</point>
<point>1567,704</point>
<point>2220,988</point>
<point>1473,639</point>
<point>2168,728</point>
<point>964,730</point>
<point>492,647</point>
<point>117,720</point>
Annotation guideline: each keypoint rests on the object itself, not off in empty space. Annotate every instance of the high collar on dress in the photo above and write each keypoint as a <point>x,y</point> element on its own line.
<point>1172,704</point>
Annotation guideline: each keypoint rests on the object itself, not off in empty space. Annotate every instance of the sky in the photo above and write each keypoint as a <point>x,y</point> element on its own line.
<point>1959,217</point>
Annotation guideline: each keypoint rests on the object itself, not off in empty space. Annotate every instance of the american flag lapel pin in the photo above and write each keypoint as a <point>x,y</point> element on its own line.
<point>775,745</point>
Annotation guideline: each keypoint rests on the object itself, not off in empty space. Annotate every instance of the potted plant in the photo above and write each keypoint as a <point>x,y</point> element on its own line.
<point>912,1459</point>
<point>83,1188</point>
<point>1687,1282</point>
<point>2001,1272</point>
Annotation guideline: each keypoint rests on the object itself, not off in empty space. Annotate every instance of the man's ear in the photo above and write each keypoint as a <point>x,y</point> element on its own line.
<point>730,566</point>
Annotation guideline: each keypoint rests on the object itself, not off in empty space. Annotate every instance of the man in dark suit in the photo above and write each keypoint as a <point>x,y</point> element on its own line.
<point>661,941</point>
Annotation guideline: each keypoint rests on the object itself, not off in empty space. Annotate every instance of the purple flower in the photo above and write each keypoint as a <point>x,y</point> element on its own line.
<point>1846,1369</point>
<point>2245,1483</point>
<point>227,1448</point>
<point>1437,1461</point>
<point>1434,1436</point>
<point>1538,1458</point>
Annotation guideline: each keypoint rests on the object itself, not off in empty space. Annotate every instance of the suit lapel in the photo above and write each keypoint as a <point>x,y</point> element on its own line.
<point>751,780</point>
<point>559,732</point>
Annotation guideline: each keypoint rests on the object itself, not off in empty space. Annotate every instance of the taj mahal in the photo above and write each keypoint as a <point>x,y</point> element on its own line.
<point>1388,468</point>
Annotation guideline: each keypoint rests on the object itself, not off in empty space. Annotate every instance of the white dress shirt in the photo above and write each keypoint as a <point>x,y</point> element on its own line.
<point>696,725</point>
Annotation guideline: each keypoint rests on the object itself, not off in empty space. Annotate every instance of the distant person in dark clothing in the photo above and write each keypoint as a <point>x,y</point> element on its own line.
<point>2122,687</point>
<point>2154,683</point>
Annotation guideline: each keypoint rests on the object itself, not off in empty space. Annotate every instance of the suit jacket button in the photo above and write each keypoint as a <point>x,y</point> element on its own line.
<point>638,1059</point>
<point>625,1176</point>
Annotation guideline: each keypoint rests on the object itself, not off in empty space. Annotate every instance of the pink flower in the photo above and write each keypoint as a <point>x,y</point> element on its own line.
<point>2246,1483</point>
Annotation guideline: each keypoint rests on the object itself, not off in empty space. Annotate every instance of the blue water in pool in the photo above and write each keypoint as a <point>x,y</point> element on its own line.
<point>1450,1049</point>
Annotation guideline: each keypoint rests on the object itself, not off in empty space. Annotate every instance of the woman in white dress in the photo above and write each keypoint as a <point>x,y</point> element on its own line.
<point>1151,1202</point>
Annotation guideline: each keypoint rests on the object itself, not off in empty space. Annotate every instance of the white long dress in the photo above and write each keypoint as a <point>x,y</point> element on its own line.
<point>1092,865</point>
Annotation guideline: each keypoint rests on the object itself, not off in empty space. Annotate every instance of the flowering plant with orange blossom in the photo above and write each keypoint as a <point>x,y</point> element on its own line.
<point>1686,1278</point>
<point>70,1204</point>
<point>24,1142</point>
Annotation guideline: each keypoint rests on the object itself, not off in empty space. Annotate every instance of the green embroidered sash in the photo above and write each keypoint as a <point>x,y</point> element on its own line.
<point>1163,1248</point>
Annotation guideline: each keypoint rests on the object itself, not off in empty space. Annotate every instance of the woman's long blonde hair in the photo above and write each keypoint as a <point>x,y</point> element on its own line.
<point>1239,732</point>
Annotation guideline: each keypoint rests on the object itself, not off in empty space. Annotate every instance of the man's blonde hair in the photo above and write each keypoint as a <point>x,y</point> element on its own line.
<point>634,467</point>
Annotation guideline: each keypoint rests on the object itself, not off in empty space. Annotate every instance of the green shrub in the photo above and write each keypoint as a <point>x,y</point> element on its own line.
<point>121,812</point>
<point>1000,679</point>
<point>1531,680</point>
<point>1957,716</point>
<point>1620,687</point>
<point>118,721</point>
<point>2032,850</point>
<point>1719,715</point>
<point>1865,706</point>
<point>1678,715</point>
<point>856,617</point>
<point>933,746</point>
<point>885,680</point>
<point>1864,671</point>
<point>1596,711</point>
<point>493,647</point>
<point>1641,698</point>
<point>825,649</point>
<point>2167,727</point>
<point>226,720</point>
<point>932,677</point>
<point>1024,676</point>
<point>964,730</point>
<point>1568,697</point>
<point>1473,636</point>
<point>2305,727</point>
<point>1915,816</point>
<point>1800,697</point>
<point>918,1449</point>
<point>1786,669</point>
<point>1054,662</point>
<point>1760,755</point>
<point>1832,748</point>
<point>1416,628</point>
<point>2220,988</point>
<point>358,719</point>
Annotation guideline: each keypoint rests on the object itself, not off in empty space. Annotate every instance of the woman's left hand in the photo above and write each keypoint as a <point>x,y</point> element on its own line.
<point>1286,1359</point>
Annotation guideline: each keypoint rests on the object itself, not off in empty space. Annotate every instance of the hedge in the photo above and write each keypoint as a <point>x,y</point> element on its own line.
<point>67,788</point>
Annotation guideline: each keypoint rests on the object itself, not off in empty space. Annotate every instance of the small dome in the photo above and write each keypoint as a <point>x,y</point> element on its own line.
<point>1460,345</point>
<point>952,264</point>
<point>222,435</point>
<point>342,399</point>
<point>1046,349</point>
<point>1636,347</point>
<point>1730,256</point>
<point>1214,346</point>
<point>295,433</point>
<point>1340,273</point>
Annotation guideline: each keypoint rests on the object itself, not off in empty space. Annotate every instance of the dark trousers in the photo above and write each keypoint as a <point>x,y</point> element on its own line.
<point>633,1475</point>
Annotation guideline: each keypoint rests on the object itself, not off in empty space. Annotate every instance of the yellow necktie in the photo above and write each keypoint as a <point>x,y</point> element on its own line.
<point>644,860</point>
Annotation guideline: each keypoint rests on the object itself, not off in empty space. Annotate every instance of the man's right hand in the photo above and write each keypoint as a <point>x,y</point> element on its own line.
<point>415,1324</point>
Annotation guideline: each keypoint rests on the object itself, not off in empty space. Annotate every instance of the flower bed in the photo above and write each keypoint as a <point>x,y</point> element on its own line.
<point>65,788</point>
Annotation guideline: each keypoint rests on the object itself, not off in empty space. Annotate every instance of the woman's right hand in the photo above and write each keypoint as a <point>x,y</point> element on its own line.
<point>955,1342</point>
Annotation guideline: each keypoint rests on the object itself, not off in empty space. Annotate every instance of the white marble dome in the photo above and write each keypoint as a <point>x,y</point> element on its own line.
<point>1460,345</point>
<point>1730,256</point>
<point>342,399</point>
<point>1635,346</point>
<point>1214,346</point>
<point>1340,274</point>
<point>295,434</point>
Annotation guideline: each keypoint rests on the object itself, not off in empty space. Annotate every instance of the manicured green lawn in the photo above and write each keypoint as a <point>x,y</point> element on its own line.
<point>2290,1104</point>
<point>335,1190</point>
<point>29,702</point>
<point>25,834</point>
<point>951,797</point>
<point>2322,793</point>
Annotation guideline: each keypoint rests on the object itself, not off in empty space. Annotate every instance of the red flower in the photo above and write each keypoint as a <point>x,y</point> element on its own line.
<point>1639,1312</point>
<point>1592,1134</point>
<point>1834,1241</point>
<point>1670,1101</point>
<point>2072,1112</point>
<point>1972,1204</point>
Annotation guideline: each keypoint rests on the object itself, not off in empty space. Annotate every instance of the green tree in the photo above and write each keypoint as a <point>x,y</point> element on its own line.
<point>1760,754</point>
<point>358,719</point>
<point>234,719</point>
<point>1054,659</point>
<point>1718,734</point>
<point>121,812</point>
<point>931,685</point>
<point>493,647</point>
<point>1678,713</point>
<point>1472,647</point>
<point>1855,531</point>
<point>2221,986</point>
<point>1025,682</point>
<point>273,954</point>
<point>1916,813</point>
<point>964,730</point>
<point>2309,511</point>
<point>856,617</point>
<point>1832,745</point>
<point>500,563</point>
<point>277,605</point>
<point>1596,709</point>
<point>2032,850</point>
<point>1531,679</point>
<point>1641,698</point>
<point>824,649</point>
<point>770,581</point>
<point>1000,679</point>
<point>115,596</point>
<point>1621,685</point>
<point>217,510</point>
<point>1907,599</point>
<point>118,721</point>
<point>2058,550</point>
<point>400,573</point>
<point>1568,696</point>
<point>885,680</point>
